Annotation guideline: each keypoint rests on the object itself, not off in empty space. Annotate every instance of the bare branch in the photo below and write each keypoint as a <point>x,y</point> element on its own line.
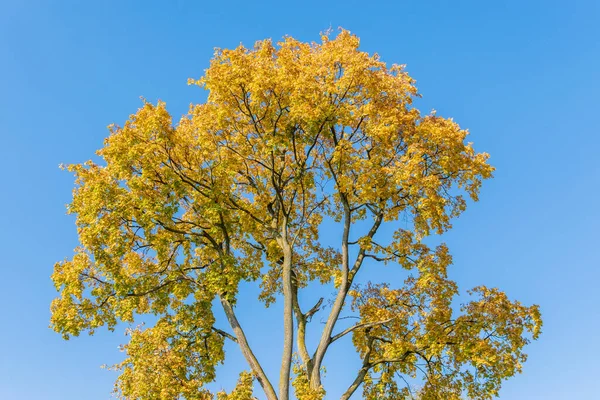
<point>225,334</point>
<point>358,326</point>
<point>247,351</point>
<point>313,310</point>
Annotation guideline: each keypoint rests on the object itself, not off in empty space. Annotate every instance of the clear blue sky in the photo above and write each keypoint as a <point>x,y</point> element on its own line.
<point>522,76</point>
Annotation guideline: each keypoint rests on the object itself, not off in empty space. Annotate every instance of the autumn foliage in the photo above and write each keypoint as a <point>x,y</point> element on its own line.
<point>295,139</point>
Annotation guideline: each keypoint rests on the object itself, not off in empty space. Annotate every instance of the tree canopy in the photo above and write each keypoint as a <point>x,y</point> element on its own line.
<point>295,141</point>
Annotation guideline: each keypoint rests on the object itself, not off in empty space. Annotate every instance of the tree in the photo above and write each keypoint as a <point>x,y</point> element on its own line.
<point>294,139</point>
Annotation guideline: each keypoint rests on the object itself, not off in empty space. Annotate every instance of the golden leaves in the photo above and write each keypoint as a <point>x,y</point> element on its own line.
<point>180,213</point>
<point>301,384</point>
<point>242,391</point>
<point>169,360</point>
<point>413,331</point>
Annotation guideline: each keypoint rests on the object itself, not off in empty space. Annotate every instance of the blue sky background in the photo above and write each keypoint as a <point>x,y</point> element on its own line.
<point>522,76</point>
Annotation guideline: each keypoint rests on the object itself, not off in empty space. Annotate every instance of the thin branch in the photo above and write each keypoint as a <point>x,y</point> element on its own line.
<point>225,334</point>
<point>361,325</point>
<point>313,310</point>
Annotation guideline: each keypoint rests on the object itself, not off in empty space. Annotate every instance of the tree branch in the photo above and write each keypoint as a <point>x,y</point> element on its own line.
<point>347,278</point>
<point>301,320</point>
<point>247,351</point>
<point>361,325</point>
<point>315,308</point>
<point>362,372</point>
<point>288,313</point>
<point>315,379</point>
<point>225,334</point>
